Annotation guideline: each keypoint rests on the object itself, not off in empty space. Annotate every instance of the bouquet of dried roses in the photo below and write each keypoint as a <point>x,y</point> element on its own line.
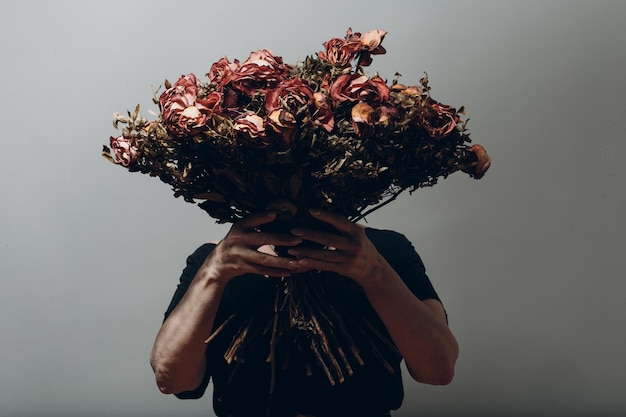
<point>261,134</point>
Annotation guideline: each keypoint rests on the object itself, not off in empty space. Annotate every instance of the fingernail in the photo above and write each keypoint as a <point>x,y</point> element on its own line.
<point>314,212</point>
<point>297,232</point>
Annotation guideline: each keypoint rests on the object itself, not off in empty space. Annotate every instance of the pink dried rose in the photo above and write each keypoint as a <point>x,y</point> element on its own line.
<point>371,46</point>
<point>259,73</point>
<point>250,128</point>
<point>183,112</point>
<point>356,87</point>
<point>295,96</point>
<point>292,94</point>
<point>372,41</point>
<point>221,72</point>
<point>284,126</point>
<point>363,118</point>
<point>478,162</point>
<point>212,101</point>
<point>340,52</point>
<point>124,150</point>
<point>437,119</point>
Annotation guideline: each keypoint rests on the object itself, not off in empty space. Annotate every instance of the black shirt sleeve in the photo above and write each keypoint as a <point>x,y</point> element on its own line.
<point>194,261</point>
<point>403,258</point>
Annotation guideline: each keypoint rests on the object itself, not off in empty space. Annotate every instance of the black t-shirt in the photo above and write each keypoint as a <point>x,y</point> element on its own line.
<point>370,390</point>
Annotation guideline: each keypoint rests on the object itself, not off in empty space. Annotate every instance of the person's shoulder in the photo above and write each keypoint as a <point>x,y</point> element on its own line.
<point>384,235</point>
<point>390,243</point>
<point>203,251</point>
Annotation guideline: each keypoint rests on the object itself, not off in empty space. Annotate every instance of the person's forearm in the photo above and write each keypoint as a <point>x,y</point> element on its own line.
<point>178,356</point>
<point>419,331</point>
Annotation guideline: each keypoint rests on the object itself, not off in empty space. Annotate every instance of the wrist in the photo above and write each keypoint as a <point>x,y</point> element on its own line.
<point>213,272</point>
<point>376,275</point>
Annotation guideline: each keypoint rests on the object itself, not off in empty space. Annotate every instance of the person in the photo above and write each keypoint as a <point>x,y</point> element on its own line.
<point>377,272</point>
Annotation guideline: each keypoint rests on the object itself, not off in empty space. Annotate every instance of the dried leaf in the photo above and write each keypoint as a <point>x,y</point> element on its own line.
<point>106,153</point>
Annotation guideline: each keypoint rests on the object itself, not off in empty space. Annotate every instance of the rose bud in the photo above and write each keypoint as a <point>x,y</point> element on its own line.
<point>221,72</point>
<point>477,163</point>
<point>124,150</point>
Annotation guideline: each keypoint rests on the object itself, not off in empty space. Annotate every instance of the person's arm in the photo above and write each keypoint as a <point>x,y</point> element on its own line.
<point>418,328</point>
<point>178,355</point>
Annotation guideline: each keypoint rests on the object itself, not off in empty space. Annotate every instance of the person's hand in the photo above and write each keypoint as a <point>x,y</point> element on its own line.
<point>238,253</point>
<point>347,251</point>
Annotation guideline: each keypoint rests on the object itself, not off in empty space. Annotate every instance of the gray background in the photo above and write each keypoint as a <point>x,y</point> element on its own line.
<point>529,260</point>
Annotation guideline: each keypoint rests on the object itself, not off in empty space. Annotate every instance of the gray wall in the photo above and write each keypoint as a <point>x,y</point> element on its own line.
<point>529,260</point>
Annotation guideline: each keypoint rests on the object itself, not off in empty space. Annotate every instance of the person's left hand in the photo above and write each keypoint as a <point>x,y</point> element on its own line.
<point>347,251</point>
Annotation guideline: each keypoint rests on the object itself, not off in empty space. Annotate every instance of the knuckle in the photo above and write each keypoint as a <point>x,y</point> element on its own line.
<point>228,258</point>
<point>259,258</point>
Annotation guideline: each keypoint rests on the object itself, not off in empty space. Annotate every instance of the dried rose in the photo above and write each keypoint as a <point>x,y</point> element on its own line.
<point>221,72</point>
<point>372,41</point>
<point>371,46</point>
<point>355,87</point>
<point>124,149</point>
<point>250,129</point>
<point>283,124</point>
<point>437,119</point>
<point>407,91</point>
<point>212,101</point>
<point>292,94</point>
<point>323,114</point>
<point>260,72</point>
<point>340,52</point>
<point>478,162</point>
<point>363,118</point>
<point>385,114</point>
<point>183,113</point>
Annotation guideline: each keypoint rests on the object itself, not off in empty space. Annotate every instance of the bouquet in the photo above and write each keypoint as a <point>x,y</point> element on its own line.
<point>261,134</point>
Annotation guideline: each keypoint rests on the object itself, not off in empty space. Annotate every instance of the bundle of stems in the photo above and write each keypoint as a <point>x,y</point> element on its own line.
<point>300,320</point>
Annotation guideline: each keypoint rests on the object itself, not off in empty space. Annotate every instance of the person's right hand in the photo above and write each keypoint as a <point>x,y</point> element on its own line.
<point>238,253</point>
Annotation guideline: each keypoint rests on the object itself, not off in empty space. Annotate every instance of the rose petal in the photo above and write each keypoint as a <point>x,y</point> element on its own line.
<point>363,119</point>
